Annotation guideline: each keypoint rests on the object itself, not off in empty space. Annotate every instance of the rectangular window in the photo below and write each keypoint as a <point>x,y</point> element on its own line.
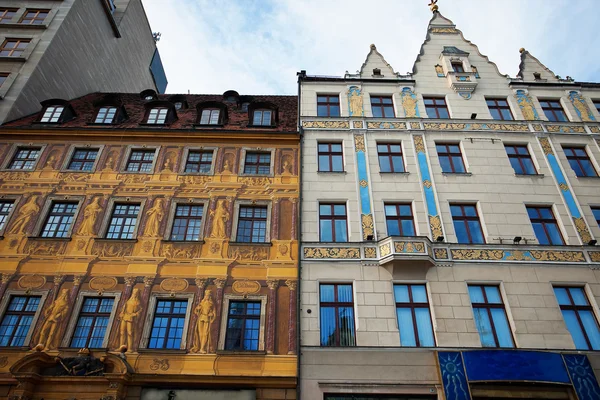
<point>390,157</point>
<point>5,209</point>
<point>466,223</point>
<point>337,315</point>
<point>262,117</point>
<point>34,17</point>
<point>140,161</point>
<point>157,116</point>
<point>6,15</point>
<point>520,159</point>
<point>597,105</point>
<point>252,225</point>
<point>490,316</point>
<point>579,317</point>
<point>243,325</point>
<point>59,221</point>
<point>399,220</point>
<point>92,322</point>
<point>3,76</point>
<point>436,107</point>
<point>25,158</point>
<point>17,320</point>
<point>328,105</point>
<point>168,323</point>
<point>331,158</point>
<point>544,225</point>
<point>579,161</point>
<point>123,221</point>
<point>414,318</point>
<point>332,223</point>
<point>458,67</point>
<point>210,116</point>
<point>257,163</point>
<point>13,47</point>
<point>83,159</point>
<point>499,109</point>
<point>382,106</point>
<point>106,115</point>
<point>595,211</point>
<point>346,396</point>
<point>187,222</point>
<point>52,114</point>
<point>199,162</point>
<point>553,110</point>
<point>450,158</point>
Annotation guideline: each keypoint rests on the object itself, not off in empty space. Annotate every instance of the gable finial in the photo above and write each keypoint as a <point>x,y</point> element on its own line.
<point>433,6</point>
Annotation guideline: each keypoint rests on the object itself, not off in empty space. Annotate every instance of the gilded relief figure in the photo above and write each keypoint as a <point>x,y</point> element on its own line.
<point>90,214</point>
<point>155,215</point>
<point>355,101</point>
<point>526,106</point>
<point>206,316</point>
<point>52,320</point>
<point>131,310</point>
<point>110,161</point>
<point>221,217</point>
<point>581,107</point>
<point>25,213</point>
<point>409,103</point>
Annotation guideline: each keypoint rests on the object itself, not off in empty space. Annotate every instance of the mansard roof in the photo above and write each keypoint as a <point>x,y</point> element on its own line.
<point>86,108</point>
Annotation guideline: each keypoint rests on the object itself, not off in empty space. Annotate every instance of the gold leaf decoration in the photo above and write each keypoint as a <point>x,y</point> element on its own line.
<point>332,252</point>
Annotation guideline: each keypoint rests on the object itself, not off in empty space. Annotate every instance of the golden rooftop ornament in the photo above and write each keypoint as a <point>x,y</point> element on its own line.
<point>433,5</point>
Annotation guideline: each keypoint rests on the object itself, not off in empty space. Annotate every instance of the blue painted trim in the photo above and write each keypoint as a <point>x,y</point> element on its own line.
<point>454,377</point>
<point>561,180</point>
<point>365,200</point>
<point>582,376</point>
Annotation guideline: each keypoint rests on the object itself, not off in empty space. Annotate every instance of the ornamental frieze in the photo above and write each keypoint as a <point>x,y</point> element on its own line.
<point>594,256</point>
<point>451,31</point>
<point>518,255</point>
<point>565,129</point>
<point>248,253</point>
<point>386,125</point>
<point>45,248</point>
<point>439,126</point>
<point>180,250</point>
<point>112,250</point>
<point>409,247</point>
<point>326,124</point>
<point>332,252</point>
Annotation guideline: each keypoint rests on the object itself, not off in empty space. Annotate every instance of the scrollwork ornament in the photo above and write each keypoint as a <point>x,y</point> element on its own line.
<point>291,284</point>
<point>129,280</point>
<point>272,284</point>
<point>419,144</point>
<point>148,281</point>
<point>220,282</point>
<point>201,282</point>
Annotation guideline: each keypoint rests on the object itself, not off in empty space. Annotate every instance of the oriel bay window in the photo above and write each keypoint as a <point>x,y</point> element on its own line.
<point>544,225</point>
<point>466,223</point>
<point>92,322</point>
<point>331,158</point>
<point>332,223</point>
<point>123,221</point>
<point>59,220</point>
<point>579,317</point>
<point>243,325</point>
<point>414,317</point>
<point>17,320</point>
<point>390,157</point>
<point>399,220</point>
<point>187,222</point>
<point>490,316</point>
<point>337,315</point>
<point>252,224</point>
<point>168,324</point>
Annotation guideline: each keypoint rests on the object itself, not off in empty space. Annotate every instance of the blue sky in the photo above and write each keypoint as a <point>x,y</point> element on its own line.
<point>257,46</point>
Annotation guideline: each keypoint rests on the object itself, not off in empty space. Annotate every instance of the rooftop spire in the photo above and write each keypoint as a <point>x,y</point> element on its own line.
<point>433,6</point>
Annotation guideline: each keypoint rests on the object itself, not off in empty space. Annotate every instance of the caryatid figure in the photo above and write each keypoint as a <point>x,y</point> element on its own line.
<point>131,310</point>
<point>53,317</point>
<point>206,316</point>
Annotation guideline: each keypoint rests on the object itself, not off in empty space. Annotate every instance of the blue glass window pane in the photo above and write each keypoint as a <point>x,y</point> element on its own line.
<point>591,328</point>
<point>502,328</point>
<point>514,162</point>
<point>340,231</point>
<point>325,210</point>
<point>484,327</point>
<point>339,209</point>
<point>461,231</point>
<point>337,164</point>
<point>495,113</point>
<point>458,164</point>
<point>419,294</point>
<point>327,326</point>
<point>476,294</point>
<point>384,164</point>
<point>392,228</point>
<point>562,296</point>
<point>327,293</point>
<point>555,236</point>
<point>578,295</point>
<point>575,329</point>
<point>575,165</point>
<point>529,167</point>
<point>476,234</point>
<point>540,234</point>
<point>470,211</point>
<point>445,164</point>
<point>346,324</point>
<point>493,294</point>
<point>545,212</point>
<point>443,113</point>
<point>326,231</point>
<point>401,293</point>
<point>405,210</point>
<point>406,327</point>
<point>424,327</point>
<point>324,163</point>
<point>345,293</point>
<point>408,228</point>
<point>398,164</point>
<point>596,212</point>
<point>506,114</point>
<point>588,169</point>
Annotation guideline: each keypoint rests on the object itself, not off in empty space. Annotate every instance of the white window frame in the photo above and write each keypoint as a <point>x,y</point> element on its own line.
<point>171,219</point>
<point>160,116</point>
<point>47,208</point>
<point>210,111</point>
<point>236,217</point>
<point>227,298</point>
<point>13,151</point>
<point>53,118</point>
<point>4,305</point>
<point>15,202</point>
<point>132,148</point>
<point>110,207</point>
<point>244,151</point>
<point>150,318</point>
<point>83,146</point>
<point>186,153</point>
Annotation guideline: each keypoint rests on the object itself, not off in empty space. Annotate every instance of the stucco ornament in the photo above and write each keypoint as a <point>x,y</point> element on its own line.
<point>90,214</point>
<point>206,316</point>
<point>131,310</point>
<point>355,101</point>
<point>409,103</point>
<point>581,106</point>
<point>25,213</point>
<point>220,217</point>
<point>526,105</point>
<point>52,320</point>
<point>155,215</point>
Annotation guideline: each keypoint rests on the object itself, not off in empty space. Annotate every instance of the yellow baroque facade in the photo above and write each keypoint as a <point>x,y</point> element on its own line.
<point>149,245</point>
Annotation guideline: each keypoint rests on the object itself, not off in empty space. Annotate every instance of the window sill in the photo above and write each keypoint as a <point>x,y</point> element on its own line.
<point>457,173</point>
<point>137,172</point>
<point>26,26</point>
<point>208,125</point>
<point>256,175</point>
<point>529,175</point>
<point>13,58</point>
<point>394,173</point>
<point>63,239</point>
<point>183,241</point>
<point>241,352</point>
<point>588,177</point>
<point>106,240</point>
<point>196,173</point>
<point>261,244</point>
<point>17,170</point>
<point>76,171</point>
<point>106,124</point>
<point>331,172</point>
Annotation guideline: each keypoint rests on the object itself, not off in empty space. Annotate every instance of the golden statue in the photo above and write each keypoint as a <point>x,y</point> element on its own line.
<point>155,215</point>
<point>52,320</point>
<point>25,213</point>
<point>409,103</point>
<point>439,69</point>
<point>579,104</point>
<point>168,165</point>
<point>226,167</point>
<point>433,5</point>
<point>286,167</point>
<point>90,214</point>
<point>206,316</point>
<point>110,161</point>
<point>356,102</point>
<point>221,216</point>
<point>50,162</point>
<point>131,310</point>
<point>526,107</point>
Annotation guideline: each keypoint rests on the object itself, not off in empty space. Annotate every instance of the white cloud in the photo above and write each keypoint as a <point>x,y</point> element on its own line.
<point>257,46</point>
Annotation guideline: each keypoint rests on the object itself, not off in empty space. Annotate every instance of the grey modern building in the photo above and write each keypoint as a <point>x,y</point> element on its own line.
<point>66,49</point>
<point>449,223</point>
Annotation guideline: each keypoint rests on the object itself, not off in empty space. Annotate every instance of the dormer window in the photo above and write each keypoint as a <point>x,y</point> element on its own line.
<point>458,67</point>
<point>52,114</point>
<point>537,76</point>
<point>106,115</point>
<point>148,95</point>
<point>210,116</point>
<point>157,115</point>
<point>262,118</point>
<point>376,72</point>
<point>178,105</point>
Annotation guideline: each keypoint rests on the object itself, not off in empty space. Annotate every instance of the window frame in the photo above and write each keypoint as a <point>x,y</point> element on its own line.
<point>6,10</point>
<point>129,150</point>
<point>337,305</point>
<point>61,215</point>
<point>552,110</point>
<point>262,111</point>
<point>172,216</point>
<point>5,301</point>
<point>248,203</point>
<point>499,108</point>
<point>382,105</point>
<point>576,308</point>
<point>596,103</point>
<point>68,336</point>
<point>71,152</point>
<point>595,209</point>
<point>330,154</point>
<point>329,104</point>
<point>157,121</point>
<point>190,149</point>
<point>227,298</point>
<point>15,149</point>
<point>37,12</point>
<point>451,156</point>
<point>14,199</point>
<point>399,218</point>
<point>488,306</point>
<point>457,64</point>
<point>578,159</point>
<point>242,161</point>
<point>519,158</point>
<point>55,107</point>
<point>108,213</point>
<point>332,204</point>
<point>29,41</point>
<point>211,109</point>
<point>466,219</point>
<point>542,221</point>
<point>47,208</point>
<point>114,119</point>
<point>244,317</point>
<point>413,305</point>
<point>391,156</point>
<point>149,320</point>
<point>435,106</point>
